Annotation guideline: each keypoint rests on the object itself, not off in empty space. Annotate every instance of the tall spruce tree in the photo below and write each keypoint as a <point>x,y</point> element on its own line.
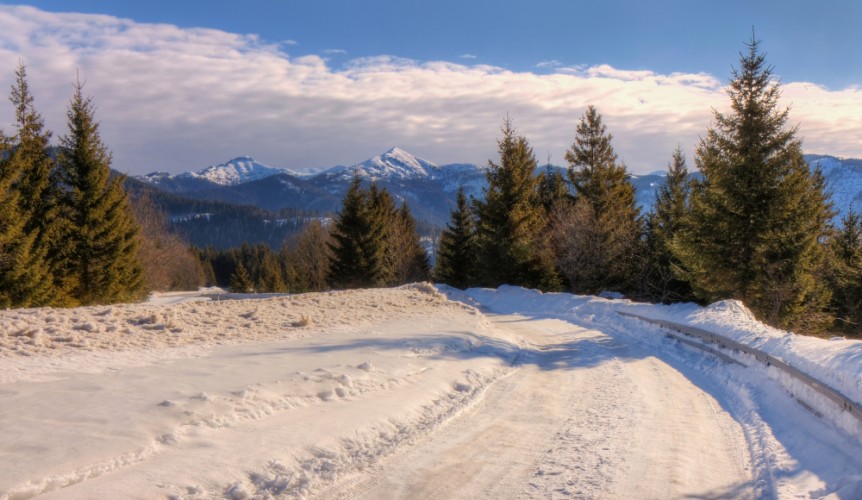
<point>757,216</point>
<point>458,253</point>
<point>663,269</point>
<point>513,246</point>
<point>598,238</point>
<point>845,277</point>
<point>31,225</point>
<point>30,158</point>
<point>25,278</point>
<point>102,264</point>
<point>412,264</point>
<point>357,249</point>
<point>382,217</point>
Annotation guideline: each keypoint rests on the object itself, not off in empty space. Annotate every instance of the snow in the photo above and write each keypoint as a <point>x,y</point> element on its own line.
<point>237,171</point>
<point>395,164</point>
<point>412,392</point>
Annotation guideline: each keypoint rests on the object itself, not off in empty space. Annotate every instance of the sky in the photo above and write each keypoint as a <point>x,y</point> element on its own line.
<point>310,84</point>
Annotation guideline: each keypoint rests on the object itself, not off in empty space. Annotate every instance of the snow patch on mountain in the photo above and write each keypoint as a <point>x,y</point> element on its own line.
<point>395,164</point>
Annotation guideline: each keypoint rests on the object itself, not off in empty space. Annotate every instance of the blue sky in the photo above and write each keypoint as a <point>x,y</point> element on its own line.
<point>314,83</point>
<point>806,40</point>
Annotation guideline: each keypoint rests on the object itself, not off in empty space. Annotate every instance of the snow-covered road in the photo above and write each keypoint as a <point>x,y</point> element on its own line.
<point>584,415</point>
<point>395,393</point>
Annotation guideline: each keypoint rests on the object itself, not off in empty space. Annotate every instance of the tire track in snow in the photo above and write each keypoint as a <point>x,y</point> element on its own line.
<point>585,416</point>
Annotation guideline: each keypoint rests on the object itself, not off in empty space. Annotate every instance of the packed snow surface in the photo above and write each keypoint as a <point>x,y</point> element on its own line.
<point>413,392</point>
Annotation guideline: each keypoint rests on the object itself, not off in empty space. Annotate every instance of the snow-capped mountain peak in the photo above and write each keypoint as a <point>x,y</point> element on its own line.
<point>395,163</point>
<point>237,171</point>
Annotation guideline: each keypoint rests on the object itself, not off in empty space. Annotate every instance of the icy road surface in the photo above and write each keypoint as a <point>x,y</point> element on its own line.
<point>388,393</point>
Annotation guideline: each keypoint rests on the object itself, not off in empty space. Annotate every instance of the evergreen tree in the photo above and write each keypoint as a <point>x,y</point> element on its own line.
<point>412,265</point>
<point>846,273</point>
<point>552,189</point>
<point>757,216</point>
<point>513,246</point>
<point>25,278</point>
<point>102,264</point>
<point>663,224</point>
<point>29,157</point>
<point>457,255</point>
<point>240,281</point>
<point>269,271</point>
<point>598,237</point>
<point>357,250</point>
<point>383,223</point>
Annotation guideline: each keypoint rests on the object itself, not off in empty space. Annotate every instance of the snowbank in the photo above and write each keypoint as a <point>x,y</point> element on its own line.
<point>132,334</point>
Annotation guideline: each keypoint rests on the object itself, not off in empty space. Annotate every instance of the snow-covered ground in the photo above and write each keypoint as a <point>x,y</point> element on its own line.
<point>414,392</point>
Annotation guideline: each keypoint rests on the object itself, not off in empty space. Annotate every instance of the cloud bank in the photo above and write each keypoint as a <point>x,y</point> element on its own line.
<point>178,99</point>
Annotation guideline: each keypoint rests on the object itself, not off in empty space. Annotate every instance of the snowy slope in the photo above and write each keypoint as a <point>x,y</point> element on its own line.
<point>237,171</point>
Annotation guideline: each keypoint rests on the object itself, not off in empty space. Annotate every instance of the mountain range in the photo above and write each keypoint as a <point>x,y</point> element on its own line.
<point>429,189</point>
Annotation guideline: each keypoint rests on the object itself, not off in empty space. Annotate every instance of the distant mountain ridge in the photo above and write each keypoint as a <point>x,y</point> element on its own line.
<point>843,181</point>
<point>428,188</point>
<point>240,170</point>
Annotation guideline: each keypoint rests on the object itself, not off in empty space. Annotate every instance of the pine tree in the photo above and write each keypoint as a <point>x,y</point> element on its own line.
<point>29,157</point>
<point>30,229</point>
<point>552,189</point>
<point>102,264</point>
<point>412,265</point>
<point>663,224</point>
<point>458,252</point>
<point>269,271</point>
<point>513,248</point>
<point>240,281</point>
<point>757,216</point>
<point>357,249</point>
<point>598,237</point>
<point>845,250</point>
<point>383,228</point>
<point>25,278</point>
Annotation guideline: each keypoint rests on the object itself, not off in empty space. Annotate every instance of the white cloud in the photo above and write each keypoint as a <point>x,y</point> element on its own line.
<point>553,63</point>
<point>468,56</point>
<point>335,52</point>
<point>177,99</point>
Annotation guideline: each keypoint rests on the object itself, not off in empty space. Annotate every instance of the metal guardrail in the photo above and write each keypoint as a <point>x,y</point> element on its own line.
<point>833,395</point>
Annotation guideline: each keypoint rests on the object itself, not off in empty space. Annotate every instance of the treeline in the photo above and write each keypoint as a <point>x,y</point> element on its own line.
<point>756,227</point>
<point>69,233</point>
<point>371,243</point>
<point>222,224</point>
